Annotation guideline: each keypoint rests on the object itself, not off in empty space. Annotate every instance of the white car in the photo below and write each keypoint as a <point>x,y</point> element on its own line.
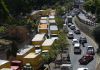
<point>75,41</point>
<point>70,35</point>
<point>82,69</point>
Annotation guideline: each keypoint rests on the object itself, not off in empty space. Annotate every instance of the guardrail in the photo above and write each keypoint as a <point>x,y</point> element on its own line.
<point>90,23</point>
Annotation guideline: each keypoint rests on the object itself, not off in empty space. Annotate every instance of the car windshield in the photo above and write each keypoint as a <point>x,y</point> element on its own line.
<point>75,41</point>
<point>90,49</point>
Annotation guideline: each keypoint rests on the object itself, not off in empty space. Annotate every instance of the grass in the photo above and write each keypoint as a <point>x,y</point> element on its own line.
<point>83,27</point>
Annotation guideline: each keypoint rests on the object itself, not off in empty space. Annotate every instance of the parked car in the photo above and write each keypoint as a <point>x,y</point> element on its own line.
<point>66,67</point>
<point>70,35</point>
<point>69,24</point>
<point>90,50</point>
<point>82,40</point>
<point>72,27</point>
<point>82,69</point>
<point>77,49</point>
<point>77,31</point>
<point>74,41</point>
<point>86,59</point>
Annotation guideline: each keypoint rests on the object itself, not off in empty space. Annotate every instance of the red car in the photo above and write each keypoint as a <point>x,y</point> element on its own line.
<point>86,59</point>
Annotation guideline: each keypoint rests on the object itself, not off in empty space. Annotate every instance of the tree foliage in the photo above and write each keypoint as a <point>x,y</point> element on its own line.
<point>96,34</point>
<point>93,6</point>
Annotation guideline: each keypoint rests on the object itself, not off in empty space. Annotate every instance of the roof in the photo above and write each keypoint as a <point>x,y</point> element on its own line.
<point>6,69</point>
<point>37,50</point>
<point>43,21</point>
<point>53,27</point>
<point>45,51</point>
<point>82,68</point>
<point>25,50</point>
<point>44,17</point>
<point>48,42</point>
<point>75,40</point>
<point>52,21</point>
<point>51,17</point>
<point>70,33</point>
<point>43,26</point>
<point>31,55</point>
<point>69,16</point>
<point>3,62</point>
<point>38,37</point>
<point>76,45</point>
<point>90,46</point>
<point>66,65</point>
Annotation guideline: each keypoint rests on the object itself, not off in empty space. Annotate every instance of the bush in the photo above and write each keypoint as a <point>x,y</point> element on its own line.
<point>2,29</point>
<point>60,22</point>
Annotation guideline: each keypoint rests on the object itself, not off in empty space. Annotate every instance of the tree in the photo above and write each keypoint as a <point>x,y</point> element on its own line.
<point>93,6</point>
<point>96,34</point>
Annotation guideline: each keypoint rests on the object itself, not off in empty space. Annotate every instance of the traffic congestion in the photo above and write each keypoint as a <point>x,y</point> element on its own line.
<point>82,53</point>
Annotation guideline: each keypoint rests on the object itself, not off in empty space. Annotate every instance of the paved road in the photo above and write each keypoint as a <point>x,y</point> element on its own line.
<point>75,58</point>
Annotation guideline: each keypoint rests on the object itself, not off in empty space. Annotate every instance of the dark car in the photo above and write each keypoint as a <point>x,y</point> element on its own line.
<point>90,50</point>
<point>77,31</point>
<point>77,50</point>
<point>70,35</point>
<point>83,40</point>
<point>86,59</point>
<point>72,27</point>
<point>69,24</point>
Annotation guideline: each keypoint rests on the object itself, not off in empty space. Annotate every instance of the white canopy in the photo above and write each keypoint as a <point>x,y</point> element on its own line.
<point>45,51</point>
<point>44,18</point>
<point>38,37</point>
<point>52,21</point>
<point>51,17</point>
<point>25,50</point>
<point>43,21</point>
<point>3,62</point>
<point>31,55</point>
<point>6,69</point>
<point>48,42</point>
<point>53,27</point>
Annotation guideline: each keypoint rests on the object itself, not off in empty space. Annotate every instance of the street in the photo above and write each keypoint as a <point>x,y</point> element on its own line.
<point>74,58</point>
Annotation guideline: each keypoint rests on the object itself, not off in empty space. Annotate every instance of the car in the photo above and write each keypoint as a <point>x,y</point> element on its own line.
<point>75,41</point>
<point>90,50</point>
<point>82,40</point>
<point>77,49</point>
<point>69,24</point>
<point>86,59</point>
<point>72,27</point>
<point>77,31</point>
<point>70,35</point>
<point>82,68</point>
<point>66,67</point>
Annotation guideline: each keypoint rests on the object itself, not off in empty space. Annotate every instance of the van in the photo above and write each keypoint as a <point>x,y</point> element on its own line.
<point>77,49</point>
